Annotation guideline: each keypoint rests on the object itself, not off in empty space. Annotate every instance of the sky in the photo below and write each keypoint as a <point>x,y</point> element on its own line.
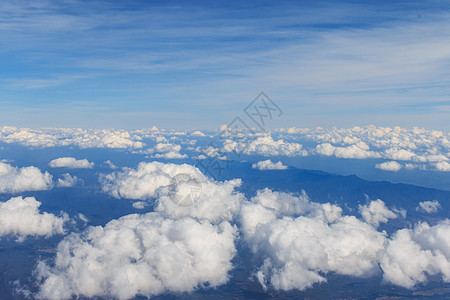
<point>198,64</point>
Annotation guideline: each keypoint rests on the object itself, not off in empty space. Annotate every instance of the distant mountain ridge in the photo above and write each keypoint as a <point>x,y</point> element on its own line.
<point>343,190</point>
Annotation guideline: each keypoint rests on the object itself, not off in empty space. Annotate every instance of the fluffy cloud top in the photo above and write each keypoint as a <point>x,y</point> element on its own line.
<point>269,165</point>
<point>443,166</point>
<point>297,242</point>
<point>297,251</point>
<point>197,133</point>
<point>71,163</point>
<point>140,255</point>
<point>411,255</point>
<point>417,145</point>
<point>429,206</point>
<point>83,138</point>
<point>68,181</point>
<point>264,145</point>
<point>143,182</point>
<point>376,212</point>
<point>21,217</point>
<point>166,151</point>
<point>216,201</point>
<point>389,166</point>
<point>358,151</point>
<point>17,180</point>
<point>174,249</point>
<point>171,155</point>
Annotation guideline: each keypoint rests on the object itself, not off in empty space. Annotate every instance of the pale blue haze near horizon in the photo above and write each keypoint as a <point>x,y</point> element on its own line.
<point>197,64</point>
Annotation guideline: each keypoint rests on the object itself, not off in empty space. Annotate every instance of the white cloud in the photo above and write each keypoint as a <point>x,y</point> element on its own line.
<point>389,166</point>
<point>411,255</point>
<point>297,252</point>
<point>269,165</point>
<point>165,150</point>
<point>139,255</point>
<point>264,145</point>
<point>83,138</point>
<point>16,180</point>
<point>68,181</point>
<point>358,151</point>
<point>376,212</point>
<point>287,204</point>
<point>216,201</point>
<point>171,155</point>
<point>71,163</point>
<point>143,182</point>
<point>110,165</point>
<point>429,206</point>
<point>21,217</point>
<point>166,147</point>
<point>399,154</point>
<point>298,242</point>
<point>430,148</point>
<point>416,145</point>
<point>197,133</point>
<point>139,204</point>
<point>208,151</point>
<point>443,166</point>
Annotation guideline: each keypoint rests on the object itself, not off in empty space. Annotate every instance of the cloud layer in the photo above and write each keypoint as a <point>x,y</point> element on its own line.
<point>401,148</point>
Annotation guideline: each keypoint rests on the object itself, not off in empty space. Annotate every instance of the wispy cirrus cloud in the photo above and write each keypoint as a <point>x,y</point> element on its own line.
<point>332,59</point>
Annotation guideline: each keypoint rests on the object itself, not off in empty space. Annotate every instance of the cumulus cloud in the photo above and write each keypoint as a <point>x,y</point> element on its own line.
<point>197,133</point>
<point>110,165</point>
<point>71,163</point>
<point>21,217</point>
<point>399,154</point>
<point>389,166</point>
<point>296,252</point>
<point>208,151</point>
<point>443,166</point>
<point>140,204</point>
<point>358,151</point>
<point>17,180</point>
<point>171,155</point>
<point>429,206</point>
<point>139,255</point>
<point>411,255</point>
<point>264,145</point>
<point>215,201</point>
<point>297,242</point>
<point>269,165</point>
<point>416,145</point>
<point>83,138</point>
<point>68,180</point>
<point>166,151</point>
<point>166,147</point>
<point>143,182</point>
<point>376,212</point>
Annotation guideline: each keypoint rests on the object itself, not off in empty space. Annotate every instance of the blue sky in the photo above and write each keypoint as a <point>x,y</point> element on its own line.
<point>179,64</point>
